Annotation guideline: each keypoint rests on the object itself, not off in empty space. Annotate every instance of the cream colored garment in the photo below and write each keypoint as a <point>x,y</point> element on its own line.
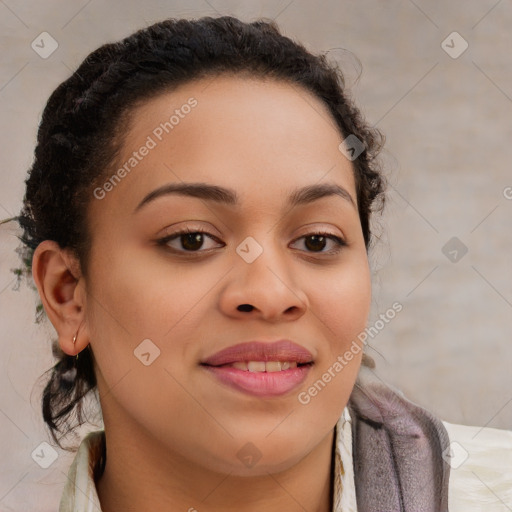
<point>481,472</point>
<point>480,478</point>
<point>80,490</point>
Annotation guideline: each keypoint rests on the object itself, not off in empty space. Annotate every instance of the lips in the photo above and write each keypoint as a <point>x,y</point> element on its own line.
<point>261,369</point>
<point>282,350</point>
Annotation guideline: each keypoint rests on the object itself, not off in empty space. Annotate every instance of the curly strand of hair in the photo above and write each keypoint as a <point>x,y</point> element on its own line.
<point>70,381</point>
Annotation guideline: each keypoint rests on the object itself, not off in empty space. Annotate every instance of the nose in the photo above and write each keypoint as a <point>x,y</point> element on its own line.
<point>264,288</point>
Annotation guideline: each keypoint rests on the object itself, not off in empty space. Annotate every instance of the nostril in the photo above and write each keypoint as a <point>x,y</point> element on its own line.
<point>245,307</point>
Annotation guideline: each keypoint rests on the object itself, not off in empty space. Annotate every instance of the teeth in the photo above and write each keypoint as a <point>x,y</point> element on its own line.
<point>256,366</point>
<point>273,366</point>
<point>262,366</point>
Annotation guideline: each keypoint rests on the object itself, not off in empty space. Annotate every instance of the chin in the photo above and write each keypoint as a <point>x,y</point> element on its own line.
<point>273,464</point>
<point>261,456</point>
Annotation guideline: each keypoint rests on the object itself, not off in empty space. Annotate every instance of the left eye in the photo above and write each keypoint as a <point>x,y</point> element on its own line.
<point>319,240</point>
<point>192,241</point>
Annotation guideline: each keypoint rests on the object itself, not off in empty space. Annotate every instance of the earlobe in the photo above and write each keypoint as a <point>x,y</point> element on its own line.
<point>55,273</point>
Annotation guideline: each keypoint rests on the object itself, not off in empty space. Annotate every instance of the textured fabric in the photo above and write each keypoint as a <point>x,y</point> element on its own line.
<point>480,476</point>
<point>80,490</point>
<point>398,453</point>
<point>344,492</point>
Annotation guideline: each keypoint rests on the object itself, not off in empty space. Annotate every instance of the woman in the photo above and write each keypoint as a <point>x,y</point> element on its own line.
<point>197,224</point>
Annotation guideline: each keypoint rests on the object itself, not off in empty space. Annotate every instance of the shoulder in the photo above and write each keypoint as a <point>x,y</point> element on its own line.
<point>480,459</point>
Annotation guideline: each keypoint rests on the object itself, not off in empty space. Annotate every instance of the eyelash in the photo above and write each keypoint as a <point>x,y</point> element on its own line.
<point>340,243</point>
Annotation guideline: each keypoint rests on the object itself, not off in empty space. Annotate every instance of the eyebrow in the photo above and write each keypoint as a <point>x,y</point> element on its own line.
<point>222,195</point>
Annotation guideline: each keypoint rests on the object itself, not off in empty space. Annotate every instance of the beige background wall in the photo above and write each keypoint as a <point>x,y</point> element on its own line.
<point>449,152</point>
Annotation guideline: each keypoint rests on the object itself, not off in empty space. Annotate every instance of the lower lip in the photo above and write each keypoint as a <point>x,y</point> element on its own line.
<point>261,384</point>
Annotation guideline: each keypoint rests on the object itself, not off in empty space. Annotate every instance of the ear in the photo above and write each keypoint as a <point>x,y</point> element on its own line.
<point>56,273</point>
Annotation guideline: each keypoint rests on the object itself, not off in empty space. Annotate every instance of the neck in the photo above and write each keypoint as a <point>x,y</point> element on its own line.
<point>144,476</point>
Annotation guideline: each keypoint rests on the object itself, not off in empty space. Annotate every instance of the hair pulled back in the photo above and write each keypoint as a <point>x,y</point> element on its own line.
<point>82,127</point>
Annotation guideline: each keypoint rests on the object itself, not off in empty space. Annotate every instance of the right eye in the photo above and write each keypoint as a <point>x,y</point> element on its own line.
<point>189,240</point>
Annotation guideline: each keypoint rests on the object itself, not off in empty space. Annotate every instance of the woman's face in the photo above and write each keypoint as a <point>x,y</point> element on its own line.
<point>159,305</point>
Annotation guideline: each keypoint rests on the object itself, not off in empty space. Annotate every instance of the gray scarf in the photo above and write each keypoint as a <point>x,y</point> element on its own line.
<point>397,451</point>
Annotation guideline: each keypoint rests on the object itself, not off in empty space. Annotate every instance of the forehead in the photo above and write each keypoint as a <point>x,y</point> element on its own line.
<point>252,135</point>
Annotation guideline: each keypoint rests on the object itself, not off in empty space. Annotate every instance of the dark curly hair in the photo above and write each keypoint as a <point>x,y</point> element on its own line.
<point>83,126</point>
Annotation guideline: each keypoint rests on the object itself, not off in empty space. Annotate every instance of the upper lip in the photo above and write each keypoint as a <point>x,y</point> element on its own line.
<point>281,350</point>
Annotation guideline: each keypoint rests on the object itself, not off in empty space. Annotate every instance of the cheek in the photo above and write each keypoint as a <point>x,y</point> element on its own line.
<point>133,297</point>
<point>133,300</point>
<point>343,313</point>
<point>140,296</point>
<point>341,303</point>
<point>341,306</point>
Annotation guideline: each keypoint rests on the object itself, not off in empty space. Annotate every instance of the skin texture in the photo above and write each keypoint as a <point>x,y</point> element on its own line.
<point>173,431</point>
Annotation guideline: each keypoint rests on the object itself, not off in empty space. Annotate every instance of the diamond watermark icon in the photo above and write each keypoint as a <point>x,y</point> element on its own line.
<point>249,249</point>
<point>454,250</point>
<point>455,455</point>
<point>351,147</point>
<point>454,45</point>
<point>44,454</point>
<point>146,352</point>
<point>44,45</point>
<point>249,455</point>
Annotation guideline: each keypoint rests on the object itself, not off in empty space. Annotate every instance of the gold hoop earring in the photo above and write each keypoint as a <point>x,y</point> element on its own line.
<point>74,340</point>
